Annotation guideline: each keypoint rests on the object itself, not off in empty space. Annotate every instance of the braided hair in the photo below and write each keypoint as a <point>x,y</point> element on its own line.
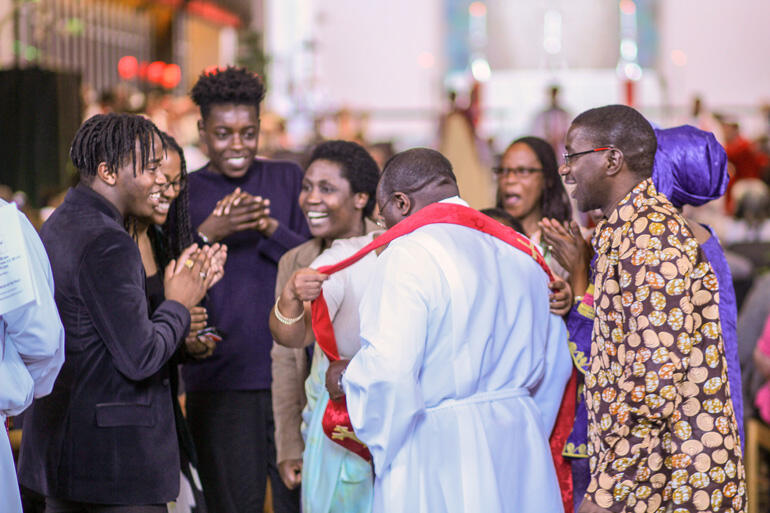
<point>112,138</point>
<point>230,85</point>
<point>176,234</point>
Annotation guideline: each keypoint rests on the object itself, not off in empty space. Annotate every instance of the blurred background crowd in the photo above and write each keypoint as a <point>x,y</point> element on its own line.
<point>465,77</point>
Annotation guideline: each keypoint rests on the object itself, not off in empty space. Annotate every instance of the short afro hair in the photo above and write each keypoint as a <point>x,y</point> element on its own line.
<point>625,129</point>
<point>356,164</point>
<point>112,138</point>
<point>411,170</point>
<point>230,85</point>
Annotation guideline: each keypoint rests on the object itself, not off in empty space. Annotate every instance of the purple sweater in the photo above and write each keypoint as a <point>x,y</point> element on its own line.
<point>239,305</point>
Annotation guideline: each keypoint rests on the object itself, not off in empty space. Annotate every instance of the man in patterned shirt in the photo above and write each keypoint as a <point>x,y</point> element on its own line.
<point>662,433</point>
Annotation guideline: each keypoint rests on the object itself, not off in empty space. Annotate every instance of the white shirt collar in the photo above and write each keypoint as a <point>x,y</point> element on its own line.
<point>457,200</point>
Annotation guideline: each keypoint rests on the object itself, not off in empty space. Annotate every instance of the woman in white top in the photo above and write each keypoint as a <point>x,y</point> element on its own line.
<point>337,195</point>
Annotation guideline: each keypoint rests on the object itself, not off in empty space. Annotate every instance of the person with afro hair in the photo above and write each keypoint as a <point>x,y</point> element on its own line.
<point>249,204</point>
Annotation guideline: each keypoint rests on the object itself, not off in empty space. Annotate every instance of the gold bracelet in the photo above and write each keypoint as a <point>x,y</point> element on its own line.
<point>287,320</point>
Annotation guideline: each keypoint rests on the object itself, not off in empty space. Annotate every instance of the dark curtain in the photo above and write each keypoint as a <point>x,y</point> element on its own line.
<point>39,115</point>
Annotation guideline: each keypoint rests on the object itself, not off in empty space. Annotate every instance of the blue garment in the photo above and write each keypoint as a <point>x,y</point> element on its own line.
<point>31,354</point>
<point>239,305</point>
<point>690,166</point>
<point>691,169</point>
<point>580,325</point>
<point>728,316</point>
<point>334,480</point>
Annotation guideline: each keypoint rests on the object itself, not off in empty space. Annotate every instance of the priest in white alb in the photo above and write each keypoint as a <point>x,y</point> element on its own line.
<point>462,367</point>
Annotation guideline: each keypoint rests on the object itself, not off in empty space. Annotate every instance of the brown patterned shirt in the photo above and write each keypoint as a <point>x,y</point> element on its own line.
<point>661,429</point>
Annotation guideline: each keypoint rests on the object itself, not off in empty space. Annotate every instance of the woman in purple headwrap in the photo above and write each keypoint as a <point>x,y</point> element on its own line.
<point>690,169</point>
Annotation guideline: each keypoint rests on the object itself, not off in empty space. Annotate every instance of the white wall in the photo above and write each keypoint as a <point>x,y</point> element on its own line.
<point>589,33</point>
<point>368,55</point>
<point>365,55</point>
<point>727,47</point>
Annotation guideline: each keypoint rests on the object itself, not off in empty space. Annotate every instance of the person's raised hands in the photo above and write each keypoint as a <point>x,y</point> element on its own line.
<point>238,211</point>
<point>186,279</point>
<point>567,244</point>
<point>218,253</point>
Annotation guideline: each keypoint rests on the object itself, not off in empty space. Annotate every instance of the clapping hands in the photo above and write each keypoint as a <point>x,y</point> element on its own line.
<point>239,211</point>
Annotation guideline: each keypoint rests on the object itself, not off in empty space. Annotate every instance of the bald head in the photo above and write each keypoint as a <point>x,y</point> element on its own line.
<point>412,170</point>
<point>413,179</point>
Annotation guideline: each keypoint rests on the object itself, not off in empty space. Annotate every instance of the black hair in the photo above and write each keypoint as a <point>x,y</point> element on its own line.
<point>112,138</point>
<point>168,241</point>
<point>356,164</point>
<point>178,236</point>
<point>411,170</point>
<point>554,201</point>
<point>502,216</point>
<point>230,85</point>
<point>625,129</point>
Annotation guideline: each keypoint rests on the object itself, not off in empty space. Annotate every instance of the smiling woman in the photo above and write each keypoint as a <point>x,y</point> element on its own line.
<point>159,243</point>
<point>338,190</point>
<point>337,196</point>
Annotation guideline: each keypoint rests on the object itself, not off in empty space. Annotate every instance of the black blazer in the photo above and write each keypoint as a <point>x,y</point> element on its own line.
<point>106,433</point>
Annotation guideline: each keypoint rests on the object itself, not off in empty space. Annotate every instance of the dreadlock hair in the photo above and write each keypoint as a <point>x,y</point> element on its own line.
<point>554,201</point>
<point>626,129</point>
<point>356,165</point>
<point>230,85</point>
<point>112,138</point>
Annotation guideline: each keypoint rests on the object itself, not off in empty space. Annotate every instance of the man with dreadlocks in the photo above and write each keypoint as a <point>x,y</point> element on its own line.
<point>104,440</point>
<point>251,206</point>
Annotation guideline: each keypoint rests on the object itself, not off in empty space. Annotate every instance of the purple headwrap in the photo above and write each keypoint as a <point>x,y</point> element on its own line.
<point>690,166</point>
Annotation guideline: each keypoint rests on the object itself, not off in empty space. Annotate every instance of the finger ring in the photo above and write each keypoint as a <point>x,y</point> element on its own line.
<point>189,263</point>
<point>203,275</point>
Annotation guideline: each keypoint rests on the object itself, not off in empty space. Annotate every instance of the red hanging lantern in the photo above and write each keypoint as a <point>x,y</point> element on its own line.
<point>155,72</point>
<point>128,67</point>
<point>172,74</point>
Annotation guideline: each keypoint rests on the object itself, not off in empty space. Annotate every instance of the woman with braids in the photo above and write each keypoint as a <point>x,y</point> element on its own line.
<point>250,205</point>
<point>159,243</point>
<point>337,198</point>
<point>104,440</point>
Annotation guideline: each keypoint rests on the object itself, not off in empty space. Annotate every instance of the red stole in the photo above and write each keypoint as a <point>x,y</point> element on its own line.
<point>336,422</point>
